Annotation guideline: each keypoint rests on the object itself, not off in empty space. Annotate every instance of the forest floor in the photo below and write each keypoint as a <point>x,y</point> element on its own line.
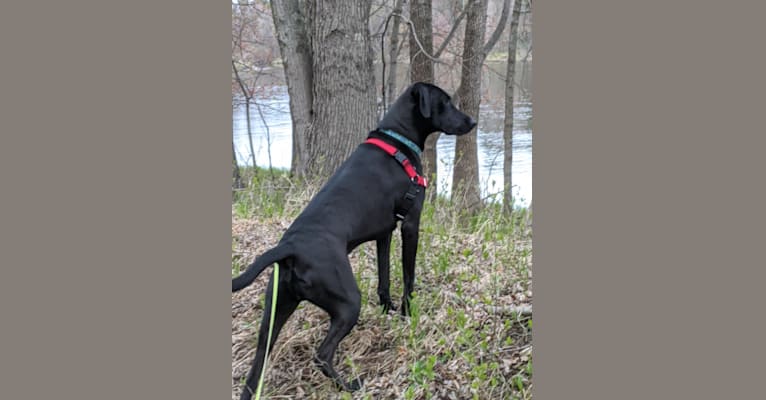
<point>470,333</point>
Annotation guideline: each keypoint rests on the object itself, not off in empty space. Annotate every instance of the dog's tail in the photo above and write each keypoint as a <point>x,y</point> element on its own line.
<point>261,263</point>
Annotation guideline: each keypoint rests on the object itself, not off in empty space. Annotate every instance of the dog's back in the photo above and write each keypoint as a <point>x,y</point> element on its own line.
<point>343,208</point>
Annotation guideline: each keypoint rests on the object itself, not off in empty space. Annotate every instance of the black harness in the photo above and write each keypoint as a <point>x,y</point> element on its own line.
<point>417,181</point>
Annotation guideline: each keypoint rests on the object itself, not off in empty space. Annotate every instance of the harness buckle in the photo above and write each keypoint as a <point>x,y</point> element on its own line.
<point>419,180</point>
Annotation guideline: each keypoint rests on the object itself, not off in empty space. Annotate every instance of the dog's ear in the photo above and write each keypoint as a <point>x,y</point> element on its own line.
<point>423,94</point>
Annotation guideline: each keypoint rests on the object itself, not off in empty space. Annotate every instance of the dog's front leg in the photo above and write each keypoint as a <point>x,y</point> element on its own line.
<point>384,272</point>
<point>409,252</point>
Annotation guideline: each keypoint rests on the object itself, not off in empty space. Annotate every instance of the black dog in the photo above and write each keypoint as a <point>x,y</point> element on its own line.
<point>376,187</point>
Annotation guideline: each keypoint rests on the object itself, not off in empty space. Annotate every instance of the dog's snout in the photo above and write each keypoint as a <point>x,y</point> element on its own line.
<point>471,122</point>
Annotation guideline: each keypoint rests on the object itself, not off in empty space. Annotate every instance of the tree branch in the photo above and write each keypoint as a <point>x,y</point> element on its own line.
<point>521,310</point>
<point>451,33</point>
<point>382,39</point>
<point>524,310</point>
<point>241,84</point>
<point>417,40</point>
<point>498,29</point>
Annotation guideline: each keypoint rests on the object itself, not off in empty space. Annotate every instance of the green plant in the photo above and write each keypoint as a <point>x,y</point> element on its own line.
<point>466,265</point>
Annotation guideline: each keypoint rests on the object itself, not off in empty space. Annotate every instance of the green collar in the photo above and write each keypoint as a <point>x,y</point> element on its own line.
<point>407,142</point>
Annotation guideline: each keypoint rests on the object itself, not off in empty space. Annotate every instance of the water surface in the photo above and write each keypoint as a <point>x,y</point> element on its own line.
<point>274,145</point>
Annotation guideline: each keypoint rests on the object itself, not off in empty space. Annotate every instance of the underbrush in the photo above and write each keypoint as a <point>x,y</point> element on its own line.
<point>469,335</point>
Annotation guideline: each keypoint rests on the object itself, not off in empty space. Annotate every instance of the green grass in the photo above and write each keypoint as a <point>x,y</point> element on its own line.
<point>456,340</point>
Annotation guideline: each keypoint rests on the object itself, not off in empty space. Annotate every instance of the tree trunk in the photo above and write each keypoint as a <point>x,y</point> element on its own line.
<point>465,178</point>
<point>249,130</point>
<point>421,67</point>
<point>292,23</point>
<point>343,83</point>
<point>422,70</point>
<point>393,54</point>
<point>247,94</point>
<point>235,174</point>
<point>508,122</point>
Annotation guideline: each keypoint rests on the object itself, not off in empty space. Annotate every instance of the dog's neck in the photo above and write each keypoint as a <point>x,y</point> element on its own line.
<point>407,142</point>
<point>410,149</point>
<point>401,120</point>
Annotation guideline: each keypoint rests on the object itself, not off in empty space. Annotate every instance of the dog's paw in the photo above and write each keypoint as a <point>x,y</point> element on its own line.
<point>354,385</point>
<point>385,301</point>
<point>388,306</point>
<point>246,394</point>
<point>405,311</point>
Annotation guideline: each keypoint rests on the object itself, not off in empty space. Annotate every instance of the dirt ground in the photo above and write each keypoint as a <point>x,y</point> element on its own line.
<point>461,348</point>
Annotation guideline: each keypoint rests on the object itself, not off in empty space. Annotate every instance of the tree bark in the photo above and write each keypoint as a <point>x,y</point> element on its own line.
<point>292,23</point>
<point>421,67</point>
<point>465,178</point>
<point>422,70</point>
<point>508,122</point>
<point>393,54</point>
<point>343,83</point>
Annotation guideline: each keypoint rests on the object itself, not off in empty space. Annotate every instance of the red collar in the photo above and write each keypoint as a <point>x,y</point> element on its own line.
<point>402,159</point>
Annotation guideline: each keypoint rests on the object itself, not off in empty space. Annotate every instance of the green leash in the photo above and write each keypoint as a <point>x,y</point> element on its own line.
<point>271,327</point>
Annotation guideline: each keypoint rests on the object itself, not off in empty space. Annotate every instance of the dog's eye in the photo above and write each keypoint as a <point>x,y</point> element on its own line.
<point>440,107</point>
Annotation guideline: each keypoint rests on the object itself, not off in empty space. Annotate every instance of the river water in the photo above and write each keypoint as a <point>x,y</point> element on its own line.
<point>272,142</point>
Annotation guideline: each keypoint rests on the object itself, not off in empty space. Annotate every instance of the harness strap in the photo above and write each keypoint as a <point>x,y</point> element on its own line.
<point>407,201</point>
<point>417,182</point>
<point>402,159</point>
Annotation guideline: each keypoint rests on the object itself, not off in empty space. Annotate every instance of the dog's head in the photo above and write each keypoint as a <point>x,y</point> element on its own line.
<point>436,108</point>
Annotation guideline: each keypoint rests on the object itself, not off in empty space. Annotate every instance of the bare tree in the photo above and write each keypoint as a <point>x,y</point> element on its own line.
<point>292,22</point>
<point>465,177</point>
<point>393,54</point>
<point>421,65</point>
<point>343,83</point>
<point>327,58</point>
<point>422,70</point>
<point>247,93</point>
<point>253,48</point>
<point>508,122</point>
<point>243,28</point>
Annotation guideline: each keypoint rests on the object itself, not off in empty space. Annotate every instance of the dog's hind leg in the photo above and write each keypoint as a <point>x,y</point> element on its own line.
<point>340,297</point>
<point>286,304</point>
<point>340,325</point>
